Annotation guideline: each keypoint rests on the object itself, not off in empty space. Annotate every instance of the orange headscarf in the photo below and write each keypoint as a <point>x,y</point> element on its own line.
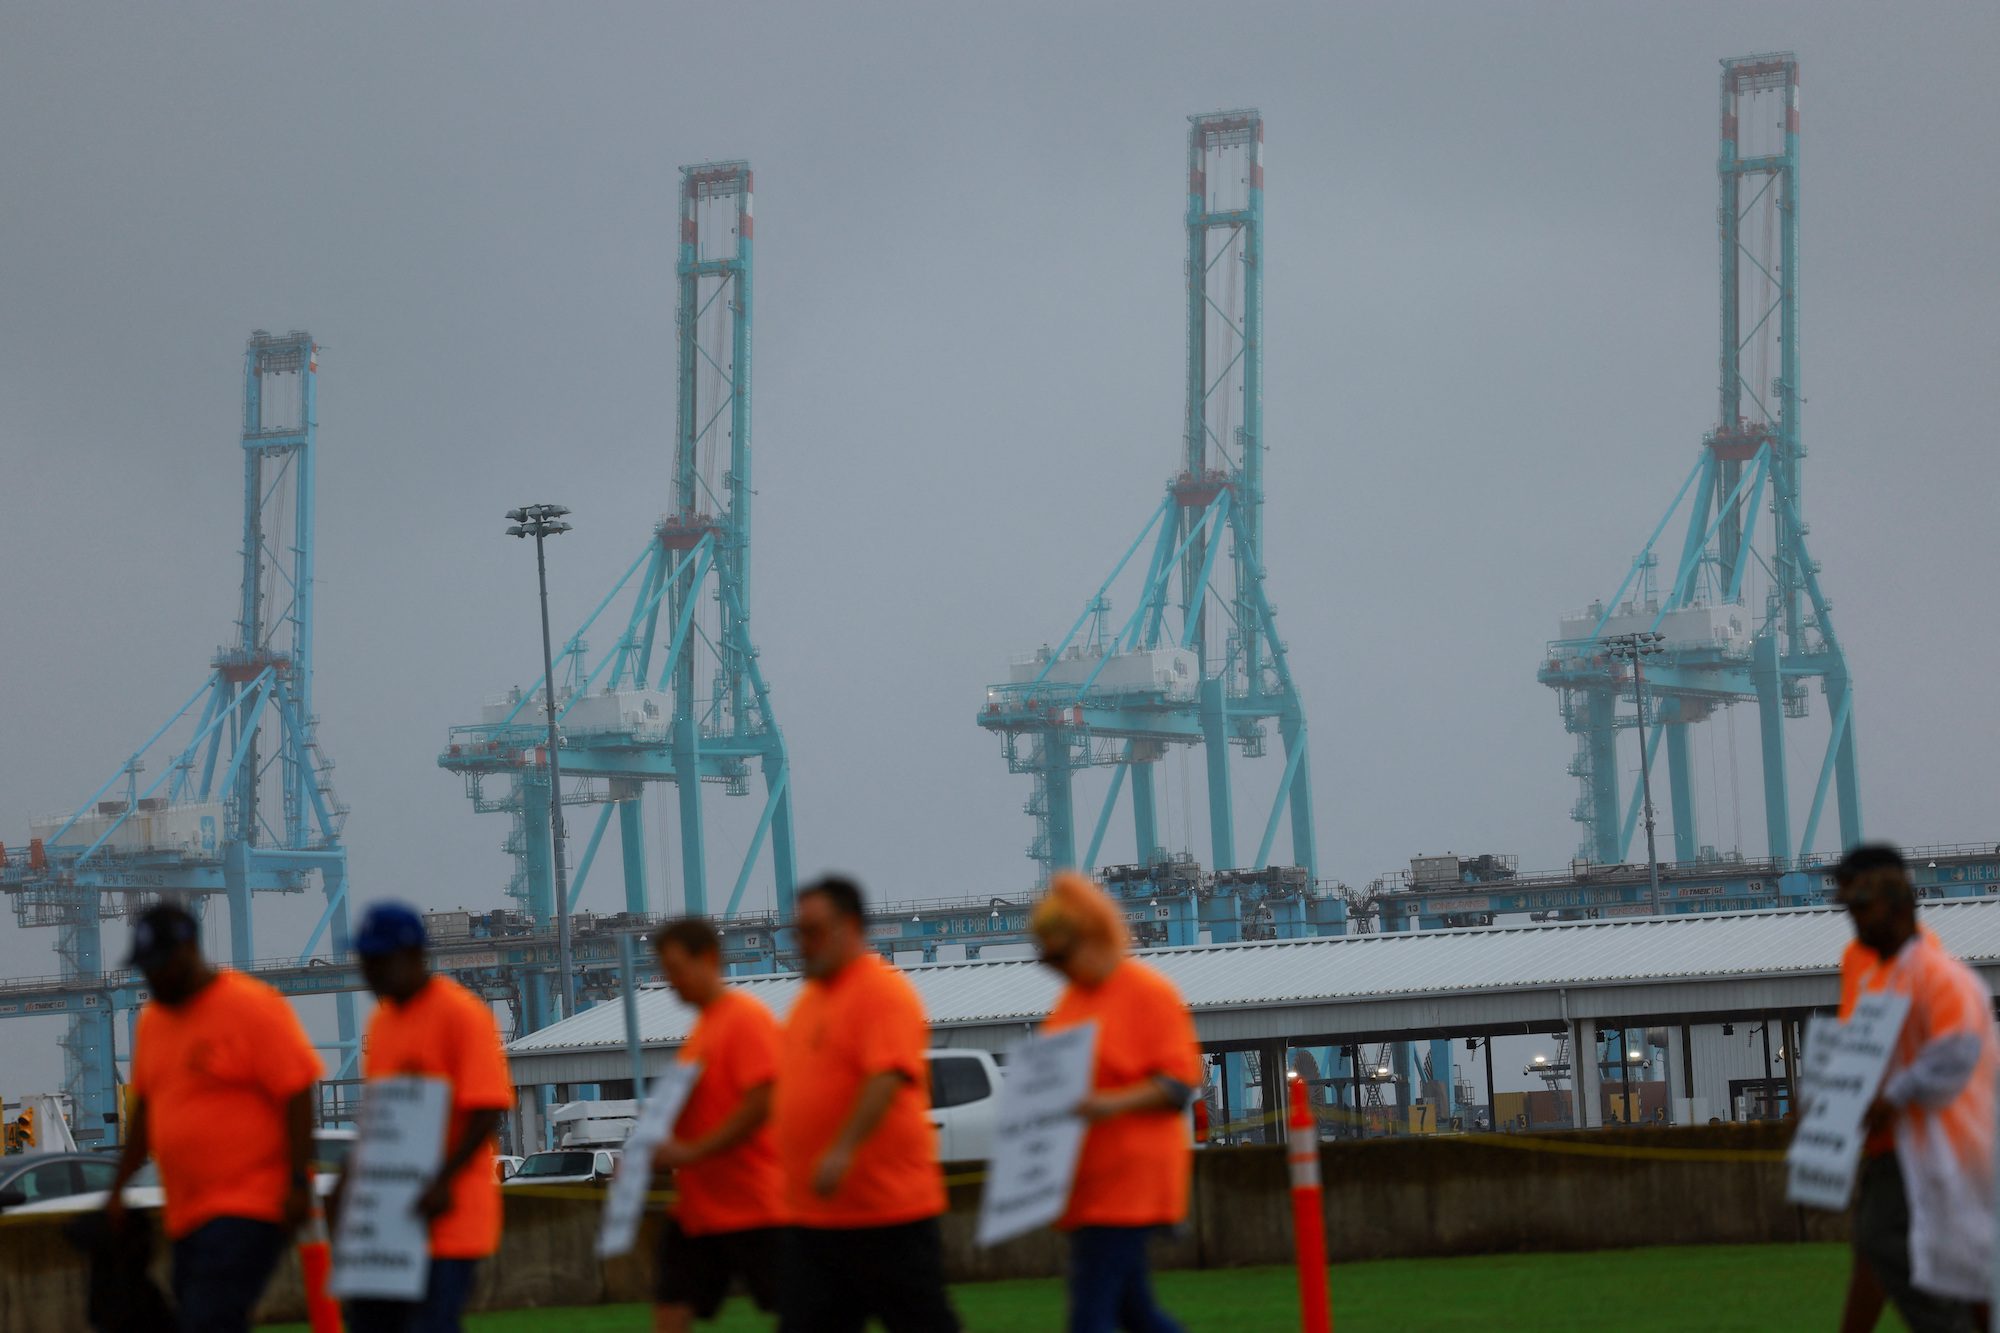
<point>1075,907</point>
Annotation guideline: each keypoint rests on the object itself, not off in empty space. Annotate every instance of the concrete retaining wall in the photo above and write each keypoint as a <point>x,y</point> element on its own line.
<point>1385,1198</point>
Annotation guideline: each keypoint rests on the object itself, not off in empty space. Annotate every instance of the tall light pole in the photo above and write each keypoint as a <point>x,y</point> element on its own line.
<point>1636,648</point>
<point>542,522</point>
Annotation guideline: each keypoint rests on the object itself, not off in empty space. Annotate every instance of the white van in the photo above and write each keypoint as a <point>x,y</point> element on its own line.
<point>965,1096</point>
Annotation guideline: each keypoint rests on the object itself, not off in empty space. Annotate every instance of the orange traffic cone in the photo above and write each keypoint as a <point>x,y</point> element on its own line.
<point>315,1265</point>
<point>1308,1222</point>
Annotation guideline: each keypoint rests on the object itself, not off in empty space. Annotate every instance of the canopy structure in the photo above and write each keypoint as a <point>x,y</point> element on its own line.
<point>1542,978</point>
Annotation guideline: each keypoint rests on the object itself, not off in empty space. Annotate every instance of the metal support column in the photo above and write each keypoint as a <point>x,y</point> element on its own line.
<point>1765,673</point>
<point>1680,789</point>
<point>632,848</point>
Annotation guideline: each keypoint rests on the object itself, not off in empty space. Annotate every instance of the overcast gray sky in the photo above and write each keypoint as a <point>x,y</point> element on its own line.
<point>1491,356</point>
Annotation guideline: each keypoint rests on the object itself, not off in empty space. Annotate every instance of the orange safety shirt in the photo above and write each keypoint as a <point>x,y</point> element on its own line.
<point>1857,962</point>
<point>1134,1168</point>
<point>864,1020</point>
<point>1941,1079</point>
<point>215,1074</point>
<point>445,1031</point>
<point>735,1041</point>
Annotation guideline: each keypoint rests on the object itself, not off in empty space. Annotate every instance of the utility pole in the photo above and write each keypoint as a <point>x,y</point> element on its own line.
<point>542,522</point>
<point>1636,648</point>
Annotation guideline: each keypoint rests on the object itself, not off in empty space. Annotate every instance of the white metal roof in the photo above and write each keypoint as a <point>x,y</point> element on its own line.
<point>1447,981</point>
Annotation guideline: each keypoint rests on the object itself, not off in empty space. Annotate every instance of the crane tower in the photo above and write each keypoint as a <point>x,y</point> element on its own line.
<point>1197,659</point>
<point>233,794</point>
<point>1742,613</point>
<point>679,696</point>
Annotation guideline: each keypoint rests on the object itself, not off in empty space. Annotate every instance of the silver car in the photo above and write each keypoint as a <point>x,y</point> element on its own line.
<point>567,1166</point>
<point>38,1177</point>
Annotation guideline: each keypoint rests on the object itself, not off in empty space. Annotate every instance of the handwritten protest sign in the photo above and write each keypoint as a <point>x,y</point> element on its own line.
<point>1038,1135</point>
<point>381,1248</point>
<point>1844,1064</point>
<point>625,1202</point>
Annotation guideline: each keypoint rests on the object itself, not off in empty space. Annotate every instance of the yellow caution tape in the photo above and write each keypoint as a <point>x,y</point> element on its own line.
<point>1542,1142</point>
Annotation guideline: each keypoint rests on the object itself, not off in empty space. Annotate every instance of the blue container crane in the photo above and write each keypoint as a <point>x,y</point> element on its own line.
<point>679,696</point>
<point>233,795</point>
<point>1198,660</point>
<point>1723,642</point>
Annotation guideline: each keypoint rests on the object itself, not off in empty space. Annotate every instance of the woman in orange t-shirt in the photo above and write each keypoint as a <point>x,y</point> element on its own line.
<point>1132,1176</point>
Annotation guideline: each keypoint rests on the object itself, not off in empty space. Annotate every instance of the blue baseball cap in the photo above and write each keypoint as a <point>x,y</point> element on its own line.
<point>389,928</point>
<point>158,931</point>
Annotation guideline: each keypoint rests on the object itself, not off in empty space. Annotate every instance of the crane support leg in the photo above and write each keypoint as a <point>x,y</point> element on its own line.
<point>1602,735</point>
<point>632,850</point>
<point>1215,748</point>
<point>333,883</point>
<point>784,851</point>
<point>1764,673</point>
<point>1057,771</point>
<point>1145,812</point>
<point>1846,771</point>
<point>1441,1082</point>
<point>1305,846</point>
<point>694,858</point>
<point>236,883</point>
<point>1680,784</point>
<point>87,1050</point>
<point>534,796</point>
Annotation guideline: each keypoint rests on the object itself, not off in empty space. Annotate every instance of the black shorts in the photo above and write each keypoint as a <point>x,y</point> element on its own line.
<point>695,1271</point>
<point>837,1278</point>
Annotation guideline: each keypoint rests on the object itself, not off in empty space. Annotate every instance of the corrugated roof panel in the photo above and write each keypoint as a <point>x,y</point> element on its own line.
<point>1360,967</point>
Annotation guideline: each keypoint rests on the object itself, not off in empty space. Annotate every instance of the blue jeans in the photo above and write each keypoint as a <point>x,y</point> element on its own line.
<point>445,1293</point>
<point>1109,1285</point>
<point>220,1269</point>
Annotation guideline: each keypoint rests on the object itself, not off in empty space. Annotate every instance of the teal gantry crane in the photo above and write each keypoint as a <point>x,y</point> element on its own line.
<point>1198,660</point>
<point>679,697</point>
<point>233,794</point>
<point>1742,616</point>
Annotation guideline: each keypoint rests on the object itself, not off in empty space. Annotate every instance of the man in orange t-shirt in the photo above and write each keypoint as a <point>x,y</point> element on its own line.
<point>432,1027</point>
<point>222,1076</point>
<point>1923,1232</point>
<point>1132,1175</point>
<point>726,1222</point>
<point>851,1120</point>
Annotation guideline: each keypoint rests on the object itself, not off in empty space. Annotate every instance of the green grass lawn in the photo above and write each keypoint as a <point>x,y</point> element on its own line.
<point>1748,1287</point>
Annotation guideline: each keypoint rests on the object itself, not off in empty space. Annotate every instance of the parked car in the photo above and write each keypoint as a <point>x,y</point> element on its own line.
<point>33,1178</point>
<point>965,1099</point>
<point>330,1150</point>
<point>566,1166</point>
<point>504,1166</point>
